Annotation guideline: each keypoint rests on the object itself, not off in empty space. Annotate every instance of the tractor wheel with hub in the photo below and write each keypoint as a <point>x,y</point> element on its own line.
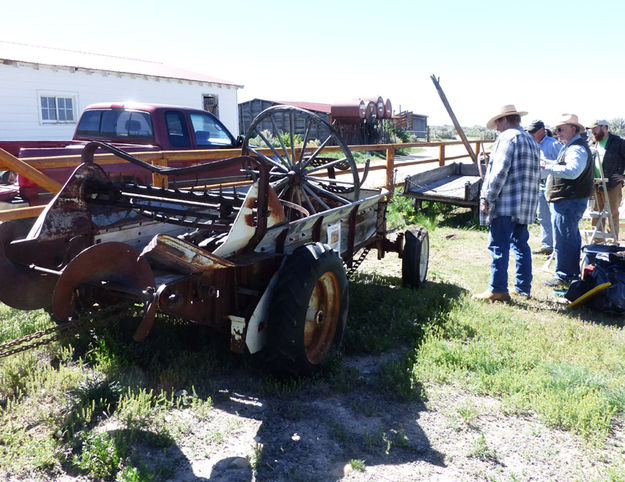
<point>308,310</point>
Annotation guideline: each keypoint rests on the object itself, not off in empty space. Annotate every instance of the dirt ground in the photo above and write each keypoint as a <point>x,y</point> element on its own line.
<point>314,433</point>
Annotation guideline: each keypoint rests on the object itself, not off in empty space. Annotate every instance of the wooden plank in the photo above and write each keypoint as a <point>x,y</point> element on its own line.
<point>390,167</point>
<point>468,170</point>
<point>432,175</point>
<point>20,213</point>
<point>18,165</point>
<point>452,186</point>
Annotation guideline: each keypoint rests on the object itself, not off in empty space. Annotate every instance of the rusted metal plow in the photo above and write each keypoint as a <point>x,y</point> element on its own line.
<point>264,261</point>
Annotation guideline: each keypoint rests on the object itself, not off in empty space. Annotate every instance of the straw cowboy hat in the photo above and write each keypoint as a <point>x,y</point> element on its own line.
<point>569,119</point>
<point>505,111</point>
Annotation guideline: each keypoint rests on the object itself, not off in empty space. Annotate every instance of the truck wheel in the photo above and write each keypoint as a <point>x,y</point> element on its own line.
<point>414,265</point>
<point>308,309</point>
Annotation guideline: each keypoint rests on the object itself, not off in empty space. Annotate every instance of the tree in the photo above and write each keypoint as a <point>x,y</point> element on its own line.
<point>617,126</point>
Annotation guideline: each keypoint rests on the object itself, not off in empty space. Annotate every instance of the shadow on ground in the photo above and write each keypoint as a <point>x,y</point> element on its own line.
<point>361,408</point>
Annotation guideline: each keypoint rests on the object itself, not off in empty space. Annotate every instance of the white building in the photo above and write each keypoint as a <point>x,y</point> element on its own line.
<point>44,90</point>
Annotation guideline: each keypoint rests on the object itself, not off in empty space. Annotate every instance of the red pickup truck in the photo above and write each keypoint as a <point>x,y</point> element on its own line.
<point>133,127</point>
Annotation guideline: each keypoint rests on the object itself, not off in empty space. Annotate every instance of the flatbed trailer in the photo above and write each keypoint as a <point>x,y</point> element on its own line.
<point>458,184</point>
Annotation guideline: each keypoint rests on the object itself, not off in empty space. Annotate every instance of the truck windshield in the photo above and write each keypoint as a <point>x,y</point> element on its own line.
<point>209,132</point>
<point>116,124</point>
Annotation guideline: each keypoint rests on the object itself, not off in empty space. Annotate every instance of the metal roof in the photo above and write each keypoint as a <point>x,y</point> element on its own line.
<point>314,106</point>
<point>13,52</point>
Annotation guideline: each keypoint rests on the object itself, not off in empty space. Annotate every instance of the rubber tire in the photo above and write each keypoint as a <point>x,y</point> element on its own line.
<point>297,278</point>
<point>413,267</point>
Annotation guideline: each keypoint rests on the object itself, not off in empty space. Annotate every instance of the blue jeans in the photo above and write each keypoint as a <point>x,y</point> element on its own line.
<point>544,217</point>
<point>565,217</point>
<point>504,233</point>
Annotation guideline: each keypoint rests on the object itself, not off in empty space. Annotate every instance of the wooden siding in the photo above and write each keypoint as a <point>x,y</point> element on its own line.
<point>21,84</point>
<point>412,122</point>
<point>250,109</point>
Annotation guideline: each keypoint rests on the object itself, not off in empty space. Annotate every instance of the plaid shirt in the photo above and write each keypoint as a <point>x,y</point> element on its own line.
<point>510,186</point>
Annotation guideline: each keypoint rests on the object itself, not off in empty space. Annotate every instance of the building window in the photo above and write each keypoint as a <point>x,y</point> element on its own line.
<point>211,104</point>
<point>56,109</point>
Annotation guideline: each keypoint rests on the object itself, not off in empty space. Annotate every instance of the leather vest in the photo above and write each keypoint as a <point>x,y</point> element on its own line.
<point>581,187</point>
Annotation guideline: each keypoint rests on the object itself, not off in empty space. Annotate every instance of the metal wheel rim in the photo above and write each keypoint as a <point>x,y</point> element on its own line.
<point>322,317</point>
<point>295,175</point>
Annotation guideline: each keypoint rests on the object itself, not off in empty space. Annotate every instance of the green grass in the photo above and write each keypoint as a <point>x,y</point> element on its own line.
<point>568,372</point>
<point>568,368</point>
<point>402,212</point>
<point>53,398</point>
<point>358,464</point>
<point>537,359</point>
<point>482,450</point>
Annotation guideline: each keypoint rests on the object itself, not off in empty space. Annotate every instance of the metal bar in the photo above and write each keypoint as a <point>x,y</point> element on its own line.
<point>268,159</point>
<point>325,166</point>
<point>316,153</point>
<point>291,132</point>
<point>329,194</point>
<point>306,134</point>
<point>314,194</point>
<point>310,205</point>
<point>443,97</point>
<point>328,179</point>
<point>284,166</point>
<point>351,235</point>
<point>286,152</point>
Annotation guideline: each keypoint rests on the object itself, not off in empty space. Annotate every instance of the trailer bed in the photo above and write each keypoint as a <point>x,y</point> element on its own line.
<point>457,183</point>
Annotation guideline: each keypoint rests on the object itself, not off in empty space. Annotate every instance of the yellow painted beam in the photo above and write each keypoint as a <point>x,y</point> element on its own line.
<point>26,170</point>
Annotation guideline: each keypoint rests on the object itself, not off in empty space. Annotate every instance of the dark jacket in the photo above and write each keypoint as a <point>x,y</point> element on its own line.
<point>581,187</point>
<point>614,159</point>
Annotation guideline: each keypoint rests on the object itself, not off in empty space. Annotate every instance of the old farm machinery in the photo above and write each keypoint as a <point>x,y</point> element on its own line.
<point>266,262</point>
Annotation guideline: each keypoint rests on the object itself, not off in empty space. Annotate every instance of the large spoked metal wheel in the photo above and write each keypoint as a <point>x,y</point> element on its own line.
<point>415,258</point>
<point>295,144</point>
<point>308,310</point>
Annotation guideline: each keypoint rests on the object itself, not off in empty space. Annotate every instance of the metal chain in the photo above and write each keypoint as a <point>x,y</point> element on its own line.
<point>64,330</point>
<point>337,189</point>
<point>356,263</point>
<point>321,161</point>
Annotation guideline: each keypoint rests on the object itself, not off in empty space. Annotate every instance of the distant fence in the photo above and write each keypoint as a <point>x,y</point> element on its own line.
<point>163,158</point>
<point>391,149</point>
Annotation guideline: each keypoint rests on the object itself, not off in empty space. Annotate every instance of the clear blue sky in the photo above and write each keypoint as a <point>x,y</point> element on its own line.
<point>545,57</point>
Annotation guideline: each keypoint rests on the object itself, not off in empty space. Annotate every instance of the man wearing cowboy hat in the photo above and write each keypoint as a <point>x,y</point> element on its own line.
<point>508,201</point>
<point>569,185</point>
<point>609,150</point>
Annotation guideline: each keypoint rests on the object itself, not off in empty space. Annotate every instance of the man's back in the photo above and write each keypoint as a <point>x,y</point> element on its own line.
<point>513,176</point>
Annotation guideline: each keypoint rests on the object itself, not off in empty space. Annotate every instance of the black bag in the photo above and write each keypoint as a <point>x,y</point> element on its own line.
<point>606,263</point>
